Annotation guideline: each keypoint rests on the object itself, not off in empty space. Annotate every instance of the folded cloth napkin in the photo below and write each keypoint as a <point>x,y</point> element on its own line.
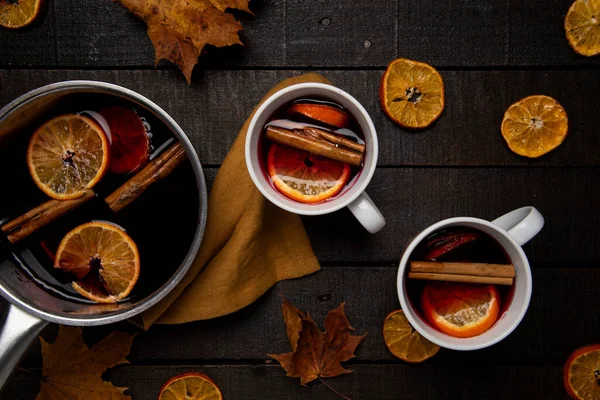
<point>249,244</point>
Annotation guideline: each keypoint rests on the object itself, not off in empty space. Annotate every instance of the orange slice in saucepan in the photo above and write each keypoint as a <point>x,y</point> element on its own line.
<point>460,309</point>
<point>404,342</point>
<point>104,260</point>
<point>130,147</point>
<point>190,386</point>
<point>305,177</point>
<point>67,155</point>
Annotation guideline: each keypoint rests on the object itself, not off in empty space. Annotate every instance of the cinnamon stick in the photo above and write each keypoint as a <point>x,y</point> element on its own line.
<point>30,222</point>
<point>51,210</point>
<point>314,143</point>
<point>156,170</point>
<point>463,268</point>
<point>460,278</point>
<point>335,139</point>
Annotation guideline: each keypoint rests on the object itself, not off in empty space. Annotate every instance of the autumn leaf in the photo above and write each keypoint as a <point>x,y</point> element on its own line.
<point>317,354</point>
<point>179,29</point>
<point>293,322</point>
<point>235,4</point>
<point>72,370</point>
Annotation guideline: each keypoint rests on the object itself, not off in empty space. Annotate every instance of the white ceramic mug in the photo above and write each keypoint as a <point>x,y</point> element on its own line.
<point>353,195</point>
<point>511,231</point>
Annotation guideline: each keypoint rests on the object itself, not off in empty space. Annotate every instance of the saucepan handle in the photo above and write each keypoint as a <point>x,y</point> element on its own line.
<point>17,331</point>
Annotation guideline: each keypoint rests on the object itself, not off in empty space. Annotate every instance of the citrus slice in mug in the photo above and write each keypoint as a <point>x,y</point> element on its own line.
<point>444,243</point>
<point>404,342</point>
<point>581,374</point>
<point>18,14</point>
<point>68,154</point>
<point>327,114</point>
<point>460,309</point>
<point>103,259</point>
<point>305,177</point>
<point>191,385</point>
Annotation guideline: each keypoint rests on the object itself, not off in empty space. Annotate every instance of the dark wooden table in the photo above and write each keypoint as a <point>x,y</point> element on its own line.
<point>490,54</point>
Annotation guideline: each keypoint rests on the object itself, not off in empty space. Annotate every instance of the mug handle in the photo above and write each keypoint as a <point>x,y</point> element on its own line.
<point>522,224</point>
<point>367,213</point>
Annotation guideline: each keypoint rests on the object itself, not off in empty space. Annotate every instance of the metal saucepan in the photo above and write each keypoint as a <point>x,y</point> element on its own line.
<point>31,305</point>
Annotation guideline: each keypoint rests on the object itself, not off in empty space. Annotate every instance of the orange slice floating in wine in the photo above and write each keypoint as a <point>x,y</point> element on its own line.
<point>130,143</point>
<point>404,342</point>
<point>103,258</point>
<point>460,309</point>
<point>444,243</point>
<point>66,155</point>
<point>327,114</point>
<point>305,177</point>
<point>191,385</point>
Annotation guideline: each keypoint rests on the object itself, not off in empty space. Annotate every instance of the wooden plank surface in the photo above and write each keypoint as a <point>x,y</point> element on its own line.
<point>370,294</point>
<point>396,381</point>
<point>212,111</point>
<point>411,199</point>
<point>324,33</point>
<point>490,53</point>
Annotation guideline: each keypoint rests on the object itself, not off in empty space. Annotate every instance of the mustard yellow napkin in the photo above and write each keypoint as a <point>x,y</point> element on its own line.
<point>249,244</point>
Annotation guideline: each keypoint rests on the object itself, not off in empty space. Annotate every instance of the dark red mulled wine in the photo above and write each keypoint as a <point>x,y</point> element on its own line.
<point>311,150</point>
<point>167,207</point>
<point>457,245</point>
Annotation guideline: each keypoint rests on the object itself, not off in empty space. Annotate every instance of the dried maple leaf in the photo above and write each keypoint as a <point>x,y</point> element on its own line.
<point>293,322</point>
<point>179,29</point>
<point>235,4</point>
<point>74,371</point>
<point>317,354</point>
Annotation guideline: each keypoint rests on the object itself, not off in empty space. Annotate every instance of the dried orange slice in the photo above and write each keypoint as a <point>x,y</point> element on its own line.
<point>535,125</point>
<point>327,114</point>
<point>460,309</point>
<point>582,26</point>
<point>305,177</point>
<point>404,342</point>
<point>411,93</point>
<point>103,258</point>
<point>18,13</point>
<point>67,155</point>
<point>581,373</point>
<point>188,386</point>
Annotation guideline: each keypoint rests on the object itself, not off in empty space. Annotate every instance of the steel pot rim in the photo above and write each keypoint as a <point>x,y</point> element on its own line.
<point>162,292</point>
